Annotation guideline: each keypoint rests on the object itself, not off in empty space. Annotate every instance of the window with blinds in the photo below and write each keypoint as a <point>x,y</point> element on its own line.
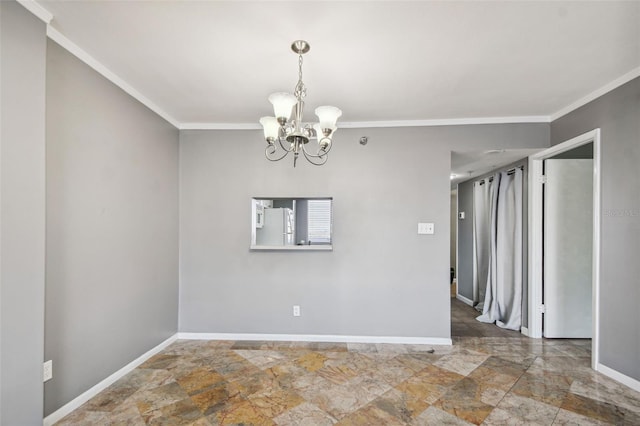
<point>319,217</point>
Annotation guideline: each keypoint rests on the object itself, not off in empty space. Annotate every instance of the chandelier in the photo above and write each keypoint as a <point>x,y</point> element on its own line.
<point>286,133</point>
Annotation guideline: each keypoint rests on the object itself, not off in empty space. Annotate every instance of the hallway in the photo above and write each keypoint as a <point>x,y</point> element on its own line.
<point>464,323</point>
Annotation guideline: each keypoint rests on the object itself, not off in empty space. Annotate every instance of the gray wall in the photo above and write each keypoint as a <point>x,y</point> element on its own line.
<point>381,279</point>
<point>465,235</point>
<point>112,228</point>
<point>465,240</point>
<point>22,214</point>
<point>617,114</point>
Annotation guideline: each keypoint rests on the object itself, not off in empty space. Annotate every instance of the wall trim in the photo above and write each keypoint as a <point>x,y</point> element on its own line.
<point>329,338</point>
<point>79,53</point>
<point>535,260</point>
<point>446,122</point>
<point>464,299</point>
<point>220,126</point>
<point>634,73</point>
<point>87,395</point>
<point>35,8</point>
<point>385,123</point>
<point>525,331</point>
<point>619,377</point>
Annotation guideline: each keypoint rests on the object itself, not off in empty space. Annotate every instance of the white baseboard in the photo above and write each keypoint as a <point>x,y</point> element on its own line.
<point>617,376</point>
<point>317,338</point>
<point>464,299</point>
<point>86,396</point>
<point>525,331</point>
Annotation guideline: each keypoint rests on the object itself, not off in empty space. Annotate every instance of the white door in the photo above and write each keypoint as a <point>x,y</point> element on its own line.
<point>568,240</point>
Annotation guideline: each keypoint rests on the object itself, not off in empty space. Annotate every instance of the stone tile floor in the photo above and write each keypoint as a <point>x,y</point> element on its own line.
<point>479,380</point>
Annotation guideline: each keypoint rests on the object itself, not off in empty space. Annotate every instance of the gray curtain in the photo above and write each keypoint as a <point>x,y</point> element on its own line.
<point>481,239</point>
<point>503,296</point>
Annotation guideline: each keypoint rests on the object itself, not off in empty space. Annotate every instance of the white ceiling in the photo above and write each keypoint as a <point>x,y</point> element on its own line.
<point>217,61</point>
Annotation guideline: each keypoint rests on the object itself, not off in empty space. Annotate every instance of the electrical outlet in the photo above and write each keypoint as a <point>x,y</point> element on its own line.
<point>296,310</point>
<point>47,370</point>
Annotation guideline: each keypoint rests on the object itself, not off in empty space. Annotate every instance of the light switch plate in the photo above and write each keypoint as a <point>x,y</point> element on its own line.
<point>47,370</point>
<point>426,228</point>
<point>461,215</point>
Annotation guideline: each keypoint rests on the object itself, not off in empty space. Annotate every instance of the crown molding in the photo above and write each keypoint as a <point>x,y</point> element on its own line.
<point>388,123</point>
<point>220,126</point>
<point>75,50</point>
<point>445,122</point>
<point>634,73</point>
<point>40,12</point>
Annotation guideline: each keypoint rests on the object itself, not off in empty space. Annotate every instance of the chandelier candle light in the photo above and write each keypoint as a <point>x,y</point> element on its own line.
<point>287,131</point>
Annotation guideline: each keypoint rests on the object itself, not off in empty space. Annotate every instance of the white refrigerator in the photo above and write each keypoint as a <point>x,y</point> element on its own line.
<point>278,228</point>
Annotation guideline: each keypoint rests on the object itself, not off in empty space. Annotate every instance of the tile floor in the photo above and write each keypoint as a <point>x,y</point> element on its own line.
<point>491,380</point>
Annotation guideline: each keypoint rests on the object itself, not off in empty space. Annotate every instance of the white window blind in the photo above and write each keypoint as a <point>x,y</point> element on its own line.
<point>319,217</point>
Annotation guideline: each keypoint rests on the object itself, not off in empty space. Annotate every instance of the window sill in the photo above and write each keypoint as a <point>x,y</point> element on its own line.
<point>318,247</point>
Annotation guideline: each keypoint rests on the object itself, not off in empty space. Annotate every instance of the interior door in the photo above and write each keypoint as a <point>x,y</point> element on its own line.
<point>568,240</point>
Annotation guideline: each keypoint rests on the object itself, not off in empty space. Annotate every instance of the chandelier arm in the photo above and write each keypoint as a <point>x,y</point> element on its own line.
<point>287,150</point>
<point>273,151</point>
<point>330,145</point>
<point>308,154</point>
<point>309,157</point>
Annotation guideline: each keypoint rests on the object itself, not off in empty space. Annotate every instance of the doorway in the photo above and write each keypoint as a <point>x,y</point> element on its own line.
<point>554,209</point>
<point>467,169</point>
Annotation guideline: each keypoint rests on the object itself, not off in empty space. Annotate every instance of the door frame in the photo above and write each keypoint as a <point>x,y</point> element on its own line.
<point>536,308</point>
